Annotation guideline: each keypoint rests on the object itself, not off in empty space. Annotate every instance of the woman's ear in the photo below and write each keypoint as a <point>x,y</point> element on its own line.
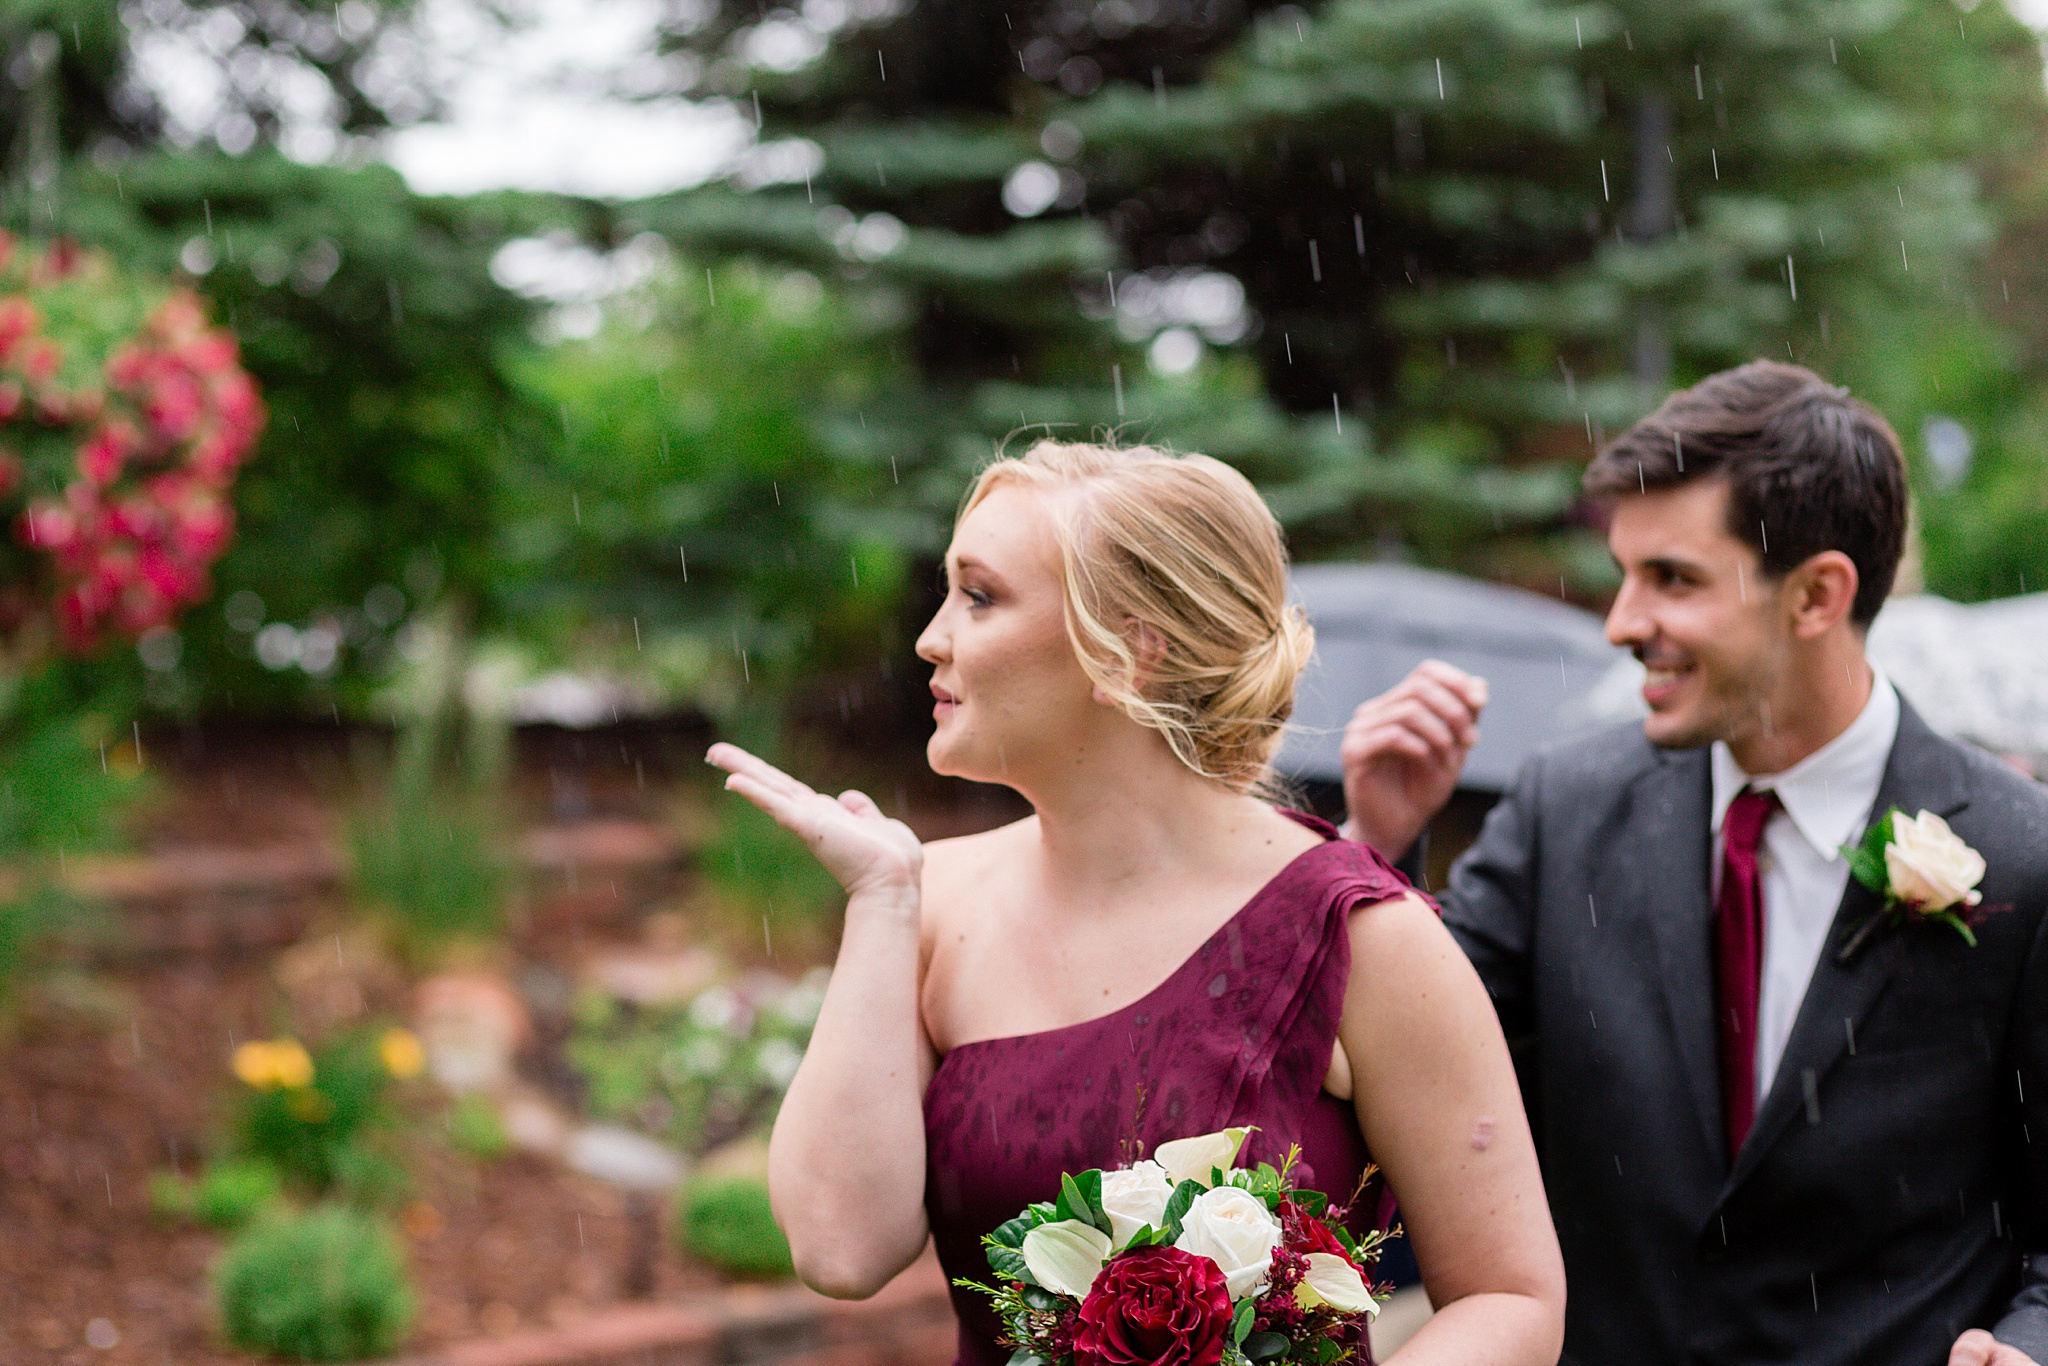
<point>1148,650</point>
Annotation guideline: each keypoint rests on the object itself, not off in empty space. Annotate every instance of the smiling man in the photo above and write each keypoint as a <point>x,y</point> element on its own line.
<point>1784,1117</point>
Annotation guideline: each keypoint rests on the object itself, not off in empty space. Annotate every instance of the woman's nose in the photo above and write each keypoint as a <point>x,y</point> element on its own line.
<point>933,643</point>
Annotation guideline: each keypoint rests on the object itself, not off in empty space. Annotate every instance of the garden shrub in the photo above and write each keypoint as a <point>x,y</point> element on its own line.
<point>328,1284</point>
<point>226,1195</point>
<point>727,1222</point>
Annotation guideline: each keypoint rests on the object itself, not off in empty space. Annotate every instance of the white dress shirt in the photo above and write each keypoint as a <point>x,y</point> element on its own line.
<point>1825,799</point>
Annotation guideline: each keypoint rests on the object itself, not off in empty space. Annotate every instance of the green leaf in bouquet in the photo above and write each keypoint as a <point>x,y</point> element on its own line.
<point>1024,1356</point>
<point>1241,1321</point>
<point>1314,1202</point>
<point>1009,1264</point>
<point>1041,1299</point>
<point>1322,1351</point>
<point>1011,1232</point>
<point>1264,1347</point>
<point>1042,1212</point>
<point>1265,1180</point>
<point>1178,1203</point>
<point>1077,1202</point>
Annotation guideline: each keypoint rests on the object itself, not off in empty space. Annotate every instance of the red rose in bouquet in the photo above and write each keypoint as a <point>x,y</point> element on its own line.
<point>1306,1233</point>
<point>1154,1306</point>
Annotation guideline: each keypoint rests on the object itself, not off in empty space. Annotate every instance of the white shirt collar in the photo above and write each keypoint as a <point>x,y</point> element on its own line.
<point>1827,794</point>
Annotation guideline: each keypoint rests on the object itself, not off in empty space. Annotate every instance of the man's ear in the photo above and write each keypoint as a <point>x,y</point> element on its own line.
<point>1821,592</point>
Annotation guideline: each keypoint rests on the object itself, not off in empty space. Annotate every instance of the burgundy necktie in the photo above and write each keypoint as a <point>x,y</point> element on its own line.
<point>1739,958</point>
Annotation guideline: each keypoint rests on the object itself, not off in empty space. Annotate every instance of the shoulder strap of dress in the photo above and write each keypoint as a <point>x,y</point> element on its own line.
<point>1305,924</point>
<point>1358,874</point>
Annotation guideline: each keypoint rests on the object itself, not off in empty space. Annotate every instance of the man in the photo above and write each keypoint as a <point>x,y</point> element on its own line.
<point>1771,1131</point>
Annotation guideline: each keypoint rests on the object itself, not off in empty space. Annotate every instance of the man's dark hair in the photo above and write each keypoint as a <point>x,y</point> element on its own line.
<point>1808,469</point>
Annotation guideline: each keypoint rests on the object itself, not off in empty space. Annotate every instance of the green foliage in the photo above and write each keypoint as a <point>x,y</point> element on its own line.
<point>428,856</point>
<point>1491,229</point>
<point>324,1135</point>
<point>727,1222</point>
<point>701,1074</point>
<point>227,1194</point>
<point>475,1128</point>
<point>329,1284</point>
<point>762,870</point>
<point>723,468</point>
<point>369,319</point>
<point>429,868</point>
<point>59,795</point>
<point>1866,856</point>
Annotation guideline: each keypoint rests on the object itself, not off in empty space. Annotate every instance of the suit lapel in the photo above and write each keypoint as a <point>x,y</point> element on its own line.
<point>1923,773</point>
<point>1671,819</point>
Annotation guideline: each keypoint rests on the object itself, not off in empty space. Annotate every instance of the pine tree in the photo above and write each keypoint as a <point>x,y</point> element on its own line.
<point>1488,230</point>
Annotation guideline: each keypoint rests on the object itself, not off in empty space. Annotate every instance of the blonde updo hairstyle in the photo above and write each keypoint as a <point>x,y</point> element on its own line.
<point>1183,549</point>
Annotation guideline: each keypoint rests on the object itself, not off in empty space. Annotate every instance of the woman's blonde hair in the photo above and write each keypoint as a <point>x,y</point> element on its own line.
<point>1183,549</point>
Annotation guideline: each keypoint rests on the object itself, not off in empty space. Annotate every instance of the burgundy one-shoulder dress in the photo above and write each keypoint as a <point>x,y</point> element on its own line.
<point>1241,1033</point>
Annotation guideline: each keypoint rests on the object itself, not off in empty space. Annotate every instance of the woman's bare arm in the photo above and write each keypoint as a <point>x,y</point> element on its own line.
<point>1440,1110</point>
<point>846,1163</point>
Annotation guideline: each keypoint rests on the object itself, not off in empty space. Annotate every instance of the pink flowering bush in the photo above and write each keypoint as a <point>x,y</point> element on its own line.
<point>123,418</point>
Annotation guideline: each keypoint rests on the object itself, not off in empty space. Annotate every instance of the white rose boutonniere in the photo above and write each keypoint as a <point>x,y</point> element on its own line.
<point>1921,868</point>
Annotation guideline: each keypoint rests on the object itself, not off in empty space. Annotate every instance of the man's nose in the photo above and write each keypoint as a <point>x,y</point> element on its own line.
<point>1626,622</point>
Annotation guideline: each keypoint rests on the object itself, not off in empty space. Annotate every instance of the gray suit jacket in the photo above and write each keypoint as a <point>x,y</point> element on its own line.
<point>1897,1174</point>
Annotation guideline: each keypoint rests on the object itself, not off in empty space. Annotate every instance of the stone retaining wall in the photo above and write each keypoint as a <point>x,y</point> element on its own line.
<point>909,1323</point>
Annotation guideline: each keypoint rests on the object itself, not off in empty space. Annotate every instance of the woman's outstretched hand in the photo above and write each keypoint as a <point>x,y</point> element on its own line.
<point>858,845</point>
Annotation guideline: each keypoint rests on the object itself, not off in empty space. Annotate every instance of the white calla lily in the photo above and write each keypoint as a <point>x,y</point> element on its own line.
<point>1064,1257</point>
<point>1192,1159</point>
<point>1334,1281</point>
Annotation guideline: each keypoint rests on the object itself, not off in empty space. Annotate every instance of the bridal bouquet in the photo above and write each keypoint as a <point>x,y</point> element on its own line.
<point>1181,1260</point>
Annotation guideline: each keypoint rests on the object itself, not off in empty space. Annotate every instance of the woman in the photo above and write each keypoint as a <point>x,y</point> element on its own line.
<point>1157,951</point>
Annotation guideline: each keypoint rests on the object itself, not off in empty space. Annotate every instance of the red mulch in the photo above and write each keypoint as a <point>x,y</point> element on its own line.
<point>121,1073</point>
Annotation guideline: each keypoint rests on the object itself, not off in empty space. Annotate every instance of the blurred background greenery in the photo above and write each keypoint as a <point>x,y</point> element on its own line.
<point>1404,261</point>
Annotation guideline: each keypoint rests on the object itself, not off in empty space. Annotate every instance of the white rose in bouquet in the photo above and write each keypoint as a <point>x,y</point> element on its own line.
<point>1234,1229</point>
<point>1928,865</point>
<point>1134,1198</point>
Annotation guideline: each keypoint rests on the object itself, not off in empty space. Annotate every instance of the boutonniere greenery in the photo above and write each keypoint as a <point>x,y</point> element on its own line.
<point>1922,870</point>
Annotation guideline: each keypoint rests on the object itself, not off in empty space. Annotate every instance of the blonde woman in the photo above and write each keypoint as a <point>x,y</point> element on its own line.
<point>1157,951</point>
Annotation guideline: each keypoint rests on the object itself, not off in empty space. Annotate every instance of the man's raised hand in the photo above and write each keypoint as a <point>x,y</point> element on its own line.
<point>1979,1348</point>
<point>858,845</point>
<point>1403,751</point>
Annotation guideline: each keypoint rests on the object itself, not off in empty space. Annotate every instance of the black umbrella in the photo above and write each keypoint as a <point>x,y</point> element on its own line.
<point>1374,622</point>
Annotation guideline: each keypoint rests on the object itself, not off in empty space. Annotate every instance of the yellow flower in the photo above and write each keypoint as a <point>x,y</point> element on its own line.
<point>403,1056</point>
<point>267,1065</point>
